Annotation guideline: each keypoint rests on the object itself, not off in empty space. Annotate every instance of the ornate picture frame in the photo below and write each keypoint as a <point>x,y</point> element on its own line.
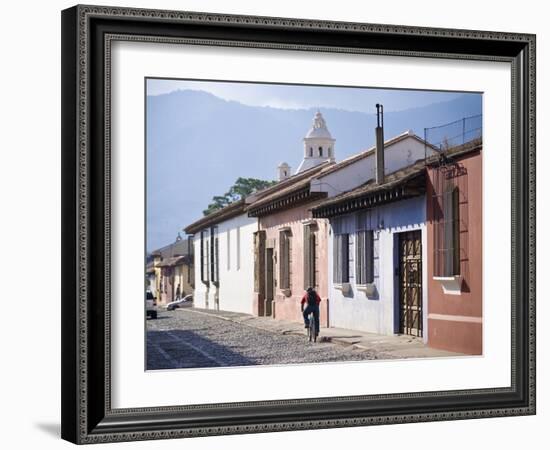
<point>88,33</point>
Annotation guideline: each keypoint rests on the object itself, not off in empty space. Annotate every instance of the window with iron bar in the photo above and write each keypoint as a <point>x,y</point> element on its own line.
<point>364,250</point>
<point>310,252</point>
<point>214,252</point>
<point>204,257</point>
<point>341,258</point>
<point>446,211</point>
<point>284,259</point>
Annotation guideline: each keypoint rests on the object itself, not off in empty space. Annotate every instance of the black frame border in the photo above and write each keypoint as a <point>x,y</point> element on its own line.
<point>87,31</point>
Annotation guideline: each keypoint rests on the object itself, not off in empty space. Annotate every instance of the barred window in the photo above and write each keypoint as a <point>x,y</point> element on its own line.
<point>214,252</point>
<point>204,257</point>
<point>341,258</point>
<point>446,210</point>
<point>451,249</point>
<point>309,256</point>
<point>284,259</point>
<point>364,258</point>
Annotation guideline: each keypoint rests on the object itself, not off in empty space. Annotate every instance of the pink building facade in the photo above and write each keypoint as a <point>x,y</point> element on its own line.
<point>455,263</point>
<point>290,251</point>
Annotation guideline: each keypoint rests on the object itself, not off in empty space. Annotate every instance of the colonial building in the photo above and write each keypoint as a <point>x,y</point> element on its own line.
<point>291,245</point>
<point>406,252</point>
<point>375,266</point>
<point>390,238</point>
<point>223,245</point>
<point>454,213</point>
<point>170,271</point>
<point>225,240</point>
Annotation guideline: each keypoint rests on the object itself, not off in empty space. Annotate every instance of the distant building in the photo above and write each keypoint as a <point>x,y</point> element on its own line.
<point>170,271</point>
<point>283,171</point>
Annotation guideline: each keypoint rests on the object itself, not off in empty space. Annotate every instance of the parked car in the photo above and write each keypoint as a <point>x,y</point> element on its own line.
<point>185,302</point>
<point>151,305</point>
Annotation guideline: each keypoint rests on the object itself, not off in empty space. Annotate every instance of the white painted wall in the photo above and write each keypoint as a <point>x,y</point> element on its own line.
<point>237,277</point>
<point>236,267</point>
<point>396,156</point>
<point>377,314</point>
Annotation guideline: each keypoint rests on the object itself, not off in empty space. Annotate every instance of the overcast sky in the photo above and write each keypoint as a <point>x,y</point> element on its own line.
<point>304,97</point>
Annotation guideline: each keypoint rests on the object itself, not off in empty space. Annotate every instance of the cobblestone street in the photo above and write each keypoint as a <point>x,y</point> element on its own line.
<point>188,339</point>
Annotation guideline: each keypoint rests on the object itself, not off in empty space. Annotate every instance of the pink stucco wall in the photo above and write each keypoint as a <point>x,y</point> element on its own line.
<point>455,321</point>
<point>288,308</point>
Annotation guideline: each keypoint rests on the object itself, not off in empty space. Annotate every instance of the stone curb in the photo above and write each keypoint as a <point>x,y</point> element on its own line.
<point>246,322</point>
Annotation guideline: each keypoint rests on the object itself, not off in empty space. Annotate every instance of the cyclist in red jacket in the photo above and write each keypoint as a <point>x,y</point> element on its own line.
<point>313,300</point>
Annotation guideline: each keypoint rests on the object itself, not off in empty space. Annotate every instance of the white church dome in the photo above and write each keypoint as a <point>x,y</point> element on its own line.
<point>319,128</point>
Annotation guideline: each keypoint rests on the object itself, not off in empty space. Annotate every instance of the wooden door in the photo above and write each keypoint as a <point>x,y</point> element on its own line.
<point>259,270</point>
<point>410,283</point>
<point>269,281</point>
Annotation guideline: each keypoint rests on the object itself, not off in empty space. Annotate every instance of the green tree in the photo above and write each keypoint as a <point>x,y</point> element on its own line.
<point>241,188</point>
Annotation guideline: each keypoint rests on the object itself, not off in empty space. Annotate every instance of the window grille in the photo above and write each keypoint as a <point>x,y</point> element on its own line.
<point>446,203</point>
<point>214,252</point>
<point>341,258</point>
<point>284,259</point>
<point>364,249</point>
<point>364,257</point>
<point>309,256</point>
<point>204,257</point>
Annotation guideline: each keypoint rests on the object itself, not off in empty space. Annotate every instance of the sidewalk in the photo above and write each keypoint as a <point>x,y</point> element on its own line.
<point>386,347</point>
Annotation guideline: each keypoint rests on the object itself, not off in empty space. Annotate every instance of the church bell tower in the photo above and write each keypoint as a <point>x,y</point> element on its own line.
<point>318,144</point>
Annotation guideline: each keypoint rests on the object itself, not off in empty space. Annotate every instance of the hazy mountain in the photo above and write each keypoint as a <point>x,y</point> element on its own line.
<point>199,144</point>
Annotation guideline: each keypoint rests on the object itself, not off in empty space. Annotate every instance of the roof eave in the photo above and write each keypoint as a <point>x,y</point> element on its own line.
<point>368,201</point>
<point>408,187</point>
<point>291,200</point>
<point>230,211</point>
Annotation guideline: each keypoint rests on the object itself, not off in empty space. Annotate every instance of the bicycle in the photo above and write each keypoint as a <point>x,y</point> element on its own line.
<point>312,331</point>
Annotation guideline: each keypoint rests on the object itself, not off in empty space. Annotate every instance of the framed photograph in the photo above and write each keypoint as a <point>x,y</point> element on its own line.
<point>281,224</point>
